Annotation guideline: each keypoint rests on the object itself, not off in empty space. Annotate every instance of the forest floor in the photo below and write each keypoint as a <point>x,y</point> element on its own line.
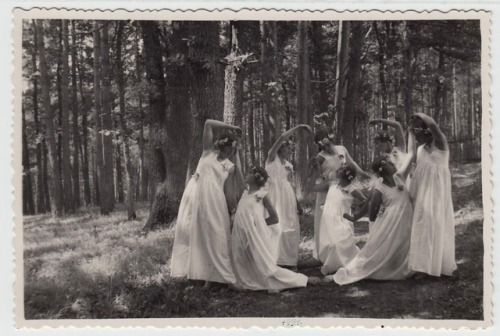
<point>88,266</point>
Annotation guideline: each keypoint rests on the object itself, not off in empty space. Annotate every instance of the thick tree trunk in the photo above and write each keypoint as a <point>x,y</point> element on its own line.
<point>108,201</point>
<point>119,196</point>
<point>351,110</point>
<point>124,128</point>
<point>318,53</point>
<point>68,186</point>
<point>40,192</point>
<point>48,116</point>
<point>143,172</point>
<point>46,177</point>
<point>303,79</point>
<point>28,202</point>
<point>382,46</point>
<point>76,130</point>
<point>207,84</point>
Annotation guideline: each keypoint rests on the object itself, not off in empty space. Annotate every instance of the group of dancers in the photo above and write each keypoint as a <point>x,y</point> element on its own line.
<point>250,238</point>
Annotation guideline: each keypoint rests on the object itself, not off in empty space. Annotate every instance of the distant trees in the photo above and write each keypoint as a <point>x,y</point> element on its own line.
<point>114,110</point>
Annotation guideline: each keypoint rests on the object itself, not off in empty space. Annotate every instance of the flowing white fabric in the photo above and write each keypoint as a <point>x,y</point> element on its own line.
<point>385,255</point>
<point>337,243</point>
<point>433,230</point>
<point>285,236</point>
<point>254,262</point>
<point>202,232</point>
<point>328,169</point>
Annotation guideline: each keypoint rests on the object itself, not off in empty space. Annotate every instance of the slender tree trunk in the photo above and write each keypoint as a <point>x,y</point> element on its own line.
<point>143,172</point>
<point>382,46</point>
<point>251,127</point>
<point>119,196</point>
<point>76,130</point>
<point>66,152</point>
<point>48,116</point>
<point>28,202</point>
<point>341,70</point>
<point>108,202</point>
<point>46,176</point>
<point>318,53</point>
<point>60,109</point>
<point>40,192</point>
<point>439,101</point>
<point>87,192</point>
<point>99,173</point>
<point>408,60</point>
<point>233,91</point>
<point>125,130</point>
<point>303,107</point>
<point>470,101</point>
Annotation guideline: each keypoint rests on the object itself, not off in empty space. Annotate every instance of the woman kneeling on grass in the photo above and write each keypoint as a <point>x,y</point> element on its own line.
<point>254,261</point>
<point>385,255</point>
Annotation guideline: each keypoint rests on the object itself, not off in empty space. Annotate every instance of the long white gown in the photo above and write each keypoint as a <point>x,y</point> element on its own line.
<point>202,232</point>
<point>338,246</point>
<point>285,236</point>
<point>433,230</point>
<point>328,169</point>
<point>385,255</point>
<point>254,264</point>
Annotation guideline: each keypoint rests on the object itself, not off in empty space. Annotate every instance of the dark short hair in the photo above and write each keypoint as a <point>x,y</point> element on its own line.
<point>225,139</point>
<point>347,172</point>
<point>378,165</point>
<point>321,134</point>
<point>260,174</point>
<point>383,136</point>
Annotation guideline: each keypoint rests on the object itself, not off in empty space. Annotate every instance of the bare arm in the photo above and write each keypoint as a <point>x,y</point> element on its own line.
<point>273,215</point>
<point>375,202</point>
<point>405,168</point>
<point>363,210</point>
<point>230,192</point>
<point>352,163</point>
<point>439,137</point>
<point>208,132</point>
<point>274,149</point>
<point>399,135</point>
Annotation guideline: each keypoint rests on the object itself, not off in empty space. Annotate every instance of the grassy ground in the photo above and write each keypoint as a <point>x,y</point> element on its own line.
<point>88,266</point>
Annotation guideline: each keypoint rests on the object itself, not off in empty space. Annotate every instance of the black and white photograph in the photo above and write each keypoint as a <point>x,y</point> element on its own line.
<point>329,169</point>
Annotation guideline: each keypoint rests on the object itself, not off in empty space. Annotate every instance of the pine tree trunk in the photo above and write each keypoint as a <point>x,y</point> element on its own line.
<point>251,127</point>
<point>76,130</point>
<point>107,199</point>
<point>143,172</point>
<point>87,192</point>
<point>46,177</point>
<point>119,196</point>
<point>341,70</point>
<point>56,199</point>
<point>408,60</point>
<point>99,174</point>
<point>302,105</point>
<point>382,46</point>
<point>68,186</point>
<point>124,128</point>
<point>40,192</point>
<point>318,52</point>
<point>28,202</point>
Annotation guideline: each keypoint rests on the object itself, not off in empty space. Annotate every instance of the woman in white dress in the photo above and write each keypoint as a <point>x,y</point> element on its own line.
<point>385,255</point>
<point>336,231</point>
<point>285,236</point>
<point>330,158</point>
<point>254,262</point>
<point>433,231</point>
<point>202,232</point>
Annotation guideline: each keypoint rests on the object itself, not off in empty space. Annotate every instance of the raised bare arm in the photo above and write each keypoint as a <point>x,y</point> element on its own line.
<point>274,149</point>
<point>399,135</point>
<point>208,132</point>
<point>352,163</point>
<point>273,215</point>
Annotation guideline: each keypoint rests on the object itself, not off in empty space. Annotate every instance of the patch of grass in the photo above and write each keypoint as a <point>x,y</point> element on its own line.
<point>88,266</point>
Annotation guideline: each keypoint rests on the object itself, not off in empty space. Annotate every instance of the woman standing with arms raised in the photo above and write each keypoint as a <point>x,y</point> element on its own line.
<point>285,236</point>
<point>202,233</point>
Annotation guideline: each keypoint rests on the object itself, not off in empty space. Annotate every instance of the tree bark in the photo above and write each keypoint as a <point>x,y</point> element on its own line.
<point>351,110</point>
<point>76,130</point>
<point>28,202</point>
<point>68,186</point>
<point>124,128</point>
<point>143,172</point>
<point>318,53</point>
<point>341,69</point>
<point>108,201</point>
<point>99,174</point>
<point>40,192</point>
<point>48,116</point>
<point>233,91</point>
<point>382,46</point>
<point>408,61</point>
<point>303,79</point>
